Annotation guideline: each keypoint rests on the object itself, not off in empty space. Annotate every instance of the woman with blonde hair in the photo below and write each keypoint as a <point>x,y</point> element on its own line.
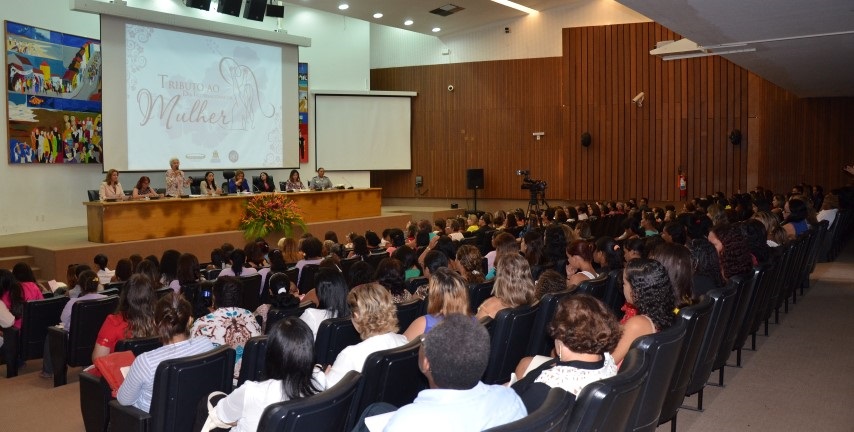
<point>290,250</point>
<point>375,318</point>
<point>110,187</point>
<point>514,286</point>
<point>469,264</point>
<point>447,294</point>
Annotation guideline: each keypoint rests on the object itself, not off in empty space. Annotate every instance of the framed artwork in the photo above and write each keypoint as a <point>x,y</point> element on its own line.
<point>54,96</point>
<point>303,112</point>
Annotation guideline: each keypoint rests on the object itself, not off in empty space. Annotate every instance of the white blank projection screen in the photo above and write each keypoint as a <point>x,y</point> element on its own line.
<point>213,101</point>
<point>367,132</point>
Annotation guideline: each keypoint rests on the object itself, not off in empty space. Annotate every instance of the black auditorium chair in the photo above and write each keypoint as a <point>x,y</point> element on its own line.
<point>551,416</point>
<point>160,292</point>
<point>723,302</point>
<point>334,335</point>
<point>614,297</point>
<point>325,411</point>
<point>607,404</point>
<point>252,363</point>
<point>696,318</point>
<point>195,186</point>
<point>39,315</point>
<point>744,291</point>
<point>93,194</point>
<point>595,287</point>
<point>374,258</point>
<point>407,312</point>
<point>662,350</point>
<point>74,348</point>
<point>755,306</point>
<point>510,332</point>
<point>345,265</point>
<point>95,393</point>
<point>179,385</point>
<point>251,291</point>
<point>306,277</point>
<point>541,343</point>
<point>11,337</point>
<point>274,315</point>
<point>390,376</point>
<point>413,284</point>
<point>478,293</point>
<point>256,181</point>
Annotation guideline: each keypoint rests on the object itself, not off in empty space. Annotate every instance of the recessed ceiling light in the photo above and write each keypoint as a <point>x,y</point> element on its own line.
<point>343,6</point>
<point>378,15</point>
<point>408,22</point>
<point>436,29</point>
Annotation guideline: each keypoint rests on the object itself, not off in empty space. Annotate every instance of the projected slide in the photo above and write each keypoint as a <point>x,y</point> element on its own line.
<point>211,102</point>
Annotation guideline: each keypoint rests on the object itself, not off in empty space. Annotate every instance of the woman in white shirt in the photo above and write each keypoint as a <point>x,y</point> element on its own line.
<point>110,187</point>
<point>290,371</point>
<point>331,291</point>
<point>208,186</point>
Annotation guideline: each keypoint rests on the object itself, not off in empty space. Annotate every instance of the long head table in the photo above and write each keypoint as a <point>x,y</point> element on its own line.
<point>113,222</point>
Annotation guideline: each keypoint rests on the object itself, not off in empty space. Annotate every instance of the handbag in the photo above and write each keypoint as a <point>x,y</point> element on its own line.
<point>213,422</point>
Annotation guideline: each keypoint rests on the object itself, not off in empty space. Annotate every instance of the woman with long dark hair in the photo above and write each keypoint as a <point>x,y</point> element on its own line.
<point>134,317</point>
<point>208,186</point>
<point>238,265</point>
<point>331,293</point>
<point>14,295</point>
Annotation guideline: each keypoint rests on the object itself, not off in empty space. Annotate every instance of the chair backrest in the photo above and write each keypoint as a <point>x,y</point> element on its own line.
<point>723,303</point>
<point>252,363</point>
<point>511,330</point>
<point>306,277</point>
<point>478,293</point>
<point>390,376</point>
<point>179,385</point>
<point>551,416</point>
<point>755,305</point>
<point>109,292</point>
<point>325,411</point>
<point>139,345</point>
<point>195,186</point>
<point>541,343</point>
<point>614,297</point>
<point>38,316</point>
<point>251,291</point>
<point>345,265</point>
<point>663,350</point>
<point>696,319</point>
<point>413,284</point>
<point>228,175</point>
<point>334,335</point>
<point>87,316</point>
<point>744,291</point>
<point>595,287</point>
<point>160,292</point>
<point>374,258</point>
<point>214,273</point>
<point>408,312</point>
<point>275,315</point>
<point>93,194</point>
<point>606,405</point>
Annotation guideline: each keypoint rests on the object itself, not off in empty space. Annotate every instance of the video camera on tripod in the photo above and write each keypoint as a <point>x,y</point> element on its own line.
<point>530,184</point>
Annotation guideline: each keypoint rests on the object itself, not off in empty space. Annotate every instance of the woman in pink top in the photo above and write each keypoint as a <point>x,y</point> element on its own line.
<point>14,294</point>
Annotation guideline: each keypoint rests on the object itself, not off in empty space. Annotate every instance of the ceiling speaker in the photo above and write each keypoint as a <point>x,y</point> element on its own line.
<point>198,4</point>
<point>254,10</point>
<point>275,11</point>
<point>229,7</point>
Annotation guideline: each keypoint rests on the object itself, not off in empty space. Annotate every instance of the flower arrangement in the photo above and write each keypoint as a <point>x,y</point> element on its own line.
<point>268,213</point>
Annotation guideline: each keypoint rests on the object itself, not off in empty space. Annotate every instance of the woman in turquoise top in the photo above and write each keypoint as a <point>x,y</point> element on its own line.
<point>448,294</point>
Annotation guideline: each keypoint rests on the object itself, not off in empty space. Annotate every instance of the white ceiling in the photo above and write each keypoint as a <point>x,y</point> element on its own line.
<point>809,67</point>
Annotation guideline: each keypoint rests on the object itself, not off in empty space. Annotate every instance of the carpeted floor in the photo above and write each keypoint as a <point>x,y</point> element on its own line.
<point>801,378</point>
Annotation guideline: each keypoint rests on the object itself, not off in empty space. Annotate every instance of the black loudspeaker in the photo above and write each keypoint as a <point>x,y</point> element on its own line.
<point>275,11</point>
<point>585,139</point>
<point>254,10</point>
<point>474,178</point>
<point>198,4</point>
<point>419,181</point>
<point>229,7</point>
<point>735,137</point>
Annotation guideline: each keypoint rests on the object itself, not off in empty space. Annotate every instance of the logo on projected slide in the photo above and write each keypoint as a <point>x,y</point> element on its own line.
<point>233,156</point>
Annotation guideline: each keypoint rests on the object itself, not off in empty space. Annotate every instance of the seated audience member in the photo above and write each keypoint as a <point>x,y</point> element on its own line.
<point>646,285</point>
<point>294,182</point>
<point>674,232</point>
<point>585,332</point>
<point>124,269</point>
<point>134,317</point>
<point>172,318</point>
<point>829,209</point>
<point>228,323</point>
<point>757,240</point>
<point>238,265</point>
<point>707,267</point>
<point>733,250</point>
<point>312,252</point>
<point>169,266</point>
<point>360,273</point>
<point>676,258</point>
<point>150,270</point>
<point>188,272</point>
<point>502,242</point>
<point>111,188</point>
<point>608,255</point>
<point>208,186</point>
<point>89,285</point>
<point>13,295</point>
<point>452,228</point>
<point>360,248</point>
<point>513,286</point>
<point>105,275</point>
<point>634,248</point>
<point>283,296</point>
<point>374,242</point>
<point>469,264</point>
<point>320,181</point>
<point>795,222</point>
<point>238,183</point>
<point>264,183</point>
<point>375,318</point>
<point>390,274</point>
<point>143,189</point>
<point>290,371</point>
<point>397,239</point>
<point>447,295</point>
<point>31,289</point>
<point>331,293</point>
<point>409,259</point>
<point>549,282</point>
<point>456,399</point>
<point>579,262</point>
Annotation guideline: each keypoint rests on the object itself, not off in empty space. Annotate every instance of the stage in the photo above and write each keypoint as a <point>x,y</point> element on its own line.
<point>50,252</point>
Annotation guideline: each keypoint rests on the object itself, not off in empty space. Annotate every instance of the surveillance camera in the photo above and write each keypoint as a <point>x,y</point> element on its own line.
<point>638,100</point>
<point>450,87</point>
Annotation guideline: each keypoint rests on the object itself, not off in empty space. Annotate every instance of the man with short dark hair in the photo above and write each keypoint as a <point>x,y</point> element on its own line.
<point>453,357</point>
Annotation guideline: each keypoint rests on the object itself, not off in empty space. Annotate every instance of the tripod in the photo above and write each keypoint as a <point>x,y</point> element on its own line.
<point>537,197</point>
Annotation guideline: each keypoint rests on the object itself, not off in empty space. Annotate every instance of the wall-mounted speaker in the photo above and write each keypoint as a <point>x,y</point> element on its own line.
<point>254,10</point>
<point>735,137</point>
<point>474,178</point>
<point>198,4</point>
<point>229,7</point>
<point>275,11</point>
<point>586,139</point>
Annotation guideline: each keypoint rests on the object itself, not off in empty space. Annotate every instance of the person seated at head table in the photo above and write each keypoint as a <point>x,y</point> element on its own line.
<point>294,182</point>
<point>111,188</point>
<point>175,180</point>
<point>238,183</point>
<point>264,183</point>
<point>208,186</point>
<point>143,189</point>
<point>320,181</point>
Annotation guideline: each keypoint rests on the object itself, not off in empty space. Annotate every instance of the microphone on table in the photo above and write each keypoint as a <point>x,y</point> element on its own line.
<point>349,185</point>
